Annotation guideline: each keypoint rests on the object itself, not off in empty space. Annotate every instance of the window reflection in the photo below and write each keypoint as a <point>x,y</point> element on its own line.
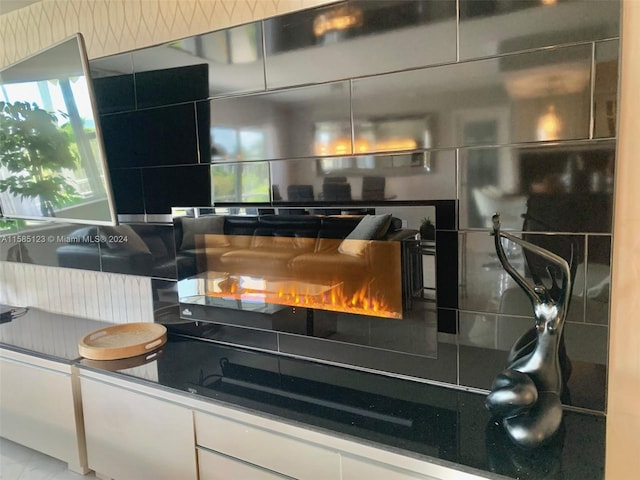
<point>237,143</point>
<point>240,182</point>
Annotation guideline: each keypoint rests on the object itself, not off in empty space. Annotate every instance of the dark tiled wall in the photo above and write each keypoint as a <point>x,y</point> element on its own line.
<point>510,105</point>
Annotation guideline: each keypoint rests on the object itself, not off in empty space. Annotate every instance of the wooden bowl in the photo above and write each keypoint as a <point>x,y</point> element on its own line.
<point>122,341</point>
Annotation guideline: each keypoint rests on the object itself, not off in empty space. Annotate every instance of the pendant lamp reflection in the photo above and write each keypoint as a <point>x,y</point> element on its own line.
<point>549,125</point>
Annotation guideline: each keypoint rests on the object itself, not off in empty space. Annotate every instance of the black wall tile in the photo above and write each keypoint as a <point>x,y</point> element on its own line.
<point>440,369</point>
<point>447,269</point>
<point>172,85</point>
<point>168,187</point>
<point>127,190</point>
<point>114,94</point>
<point>145,138</point>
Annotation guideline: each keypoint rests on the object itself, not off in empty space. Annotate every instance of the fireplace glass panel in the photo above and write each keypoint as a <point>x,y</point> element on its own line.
<point>303,274</point>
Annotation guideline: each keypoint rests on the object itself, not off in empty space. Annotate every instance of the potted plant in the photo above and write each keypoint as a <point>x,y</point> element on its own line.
<point>427,229</point>
<point>35,151</point>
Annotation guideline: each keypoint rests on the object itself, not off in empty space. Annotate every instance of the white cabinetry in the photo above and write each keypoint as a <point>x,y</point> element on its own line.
<point>139,432</point>
<point>214,466</point>
<point>40,407</point>
<point>266,448</point>
<point>136,436</point>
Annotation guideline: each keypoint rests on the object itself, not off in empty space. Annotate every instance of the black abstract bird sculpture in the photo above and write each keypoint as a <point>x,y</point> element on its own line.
<point>526,395</point>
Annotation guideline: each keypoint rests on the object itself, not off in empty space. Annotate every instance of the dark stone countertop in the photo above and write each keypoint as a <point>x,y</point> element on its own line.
<point>51,336</point>
<point>417,419</point>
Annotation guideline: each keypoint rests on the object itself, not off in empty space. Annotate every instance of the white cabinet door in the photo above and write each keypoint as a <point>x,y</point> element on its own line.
<point>213,466</point>
<point>266,448</point>
<point>358,469</point>
<point>134,436</point>
<point>37,409</point>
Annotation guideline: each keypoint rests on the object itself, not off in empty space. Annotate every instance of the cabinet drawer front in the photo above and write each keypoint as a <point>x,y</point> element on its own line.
<point>213,466</point>
<point>357,469</point>
<point>28,416</point>
<point>266,449</point>
<point>132,436</point>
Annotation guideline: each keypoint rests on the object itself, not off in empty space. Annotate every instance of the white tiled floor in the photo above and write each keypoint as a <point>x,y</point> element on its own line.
<point>21,463</point>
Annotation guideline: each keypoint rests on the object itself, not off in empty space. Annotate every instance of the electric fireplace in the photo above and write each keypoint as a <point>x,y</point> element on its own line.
<point>262,280</point>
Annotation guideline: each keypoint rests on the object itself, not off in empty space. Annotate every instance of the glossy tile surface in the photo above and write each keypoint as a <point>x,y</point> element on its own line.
<point>246,182</point>
<point>165,299</point>
<point>61,245</point>
<point>138,249</point>
<point>491,28</point>
<point>605,92</point>
<point>598,279</point>
<point>157,136</point>
<point>171,85</point>
<point>486,287</point>
<point>112,65</point>
<point>127,190</point>
<point>9,241</point>
<point>114,94</point>
<point>485,102</point>
<point>561,188</point>
<point>231,59</point>
<point>358,38</point>
<point>440,369</point>
<point>418,176</point>
<point>485,341</point>
<point>299,122</point>
<point>167,187</point>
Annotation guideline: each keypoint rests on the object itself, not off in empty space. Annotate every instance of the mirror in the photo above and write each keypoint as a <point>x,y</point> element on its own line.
<point>52,162</point>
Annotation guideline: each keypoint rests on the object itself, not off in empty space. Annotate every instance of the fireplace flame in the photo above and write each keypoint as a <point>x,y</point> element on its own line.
<point>301,294</point>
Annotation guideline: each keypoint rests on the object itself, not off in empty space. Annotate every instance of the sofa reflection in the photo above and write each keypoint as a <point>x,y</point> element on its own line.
<point>349,258</point>
<point>130,249</point>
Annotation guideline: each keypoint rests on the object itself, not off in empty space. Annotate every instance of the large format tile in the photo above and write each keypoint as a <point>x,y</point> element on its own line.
<point>293,123</point>
<point>358,38</point>
<point>494,101</point>
<point>229,60</point>
<point>490,28</point>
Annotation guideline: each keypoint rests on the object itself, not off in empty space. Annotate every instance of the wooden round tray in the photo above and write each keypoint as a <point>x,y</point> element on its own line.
<point>122,341</point>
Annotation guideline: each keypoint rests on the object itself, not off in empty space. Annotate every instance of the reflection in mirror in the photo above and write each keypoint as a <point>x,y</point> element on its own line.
<point>52,163</point>
<point>111,66</point>
<point>494,27</point>
<point>358,38</point>
<point>485,102</point>
<point>244,182</point>
<point>556,188</point>
<point>275,124</point>
<point>424,175</point>
<point>233,58</point>
<point>361,279</point>
<point>375,135</point>
<point>605,91</point>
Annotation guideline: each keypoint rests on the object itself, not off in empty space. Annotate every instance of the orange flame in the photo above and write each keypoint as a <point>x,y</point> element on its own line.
<point>360,302</point>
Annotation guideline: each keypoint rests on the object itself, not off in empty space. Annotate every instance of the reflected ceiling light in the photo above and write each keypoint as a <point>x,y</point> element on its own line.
<point>548,2</point>
<point>342,146</point>
<point>341,18</point>
<point>549,125</point>
<point>560,79</point>
<point>396,144</point>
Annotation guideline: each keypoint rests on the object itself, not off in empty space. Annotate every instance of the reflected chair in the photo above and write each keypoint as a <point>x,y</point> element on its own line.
<point>490,200</point>
<point>373,188</point>
<point>336,192</point>
<point>300,193</point>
